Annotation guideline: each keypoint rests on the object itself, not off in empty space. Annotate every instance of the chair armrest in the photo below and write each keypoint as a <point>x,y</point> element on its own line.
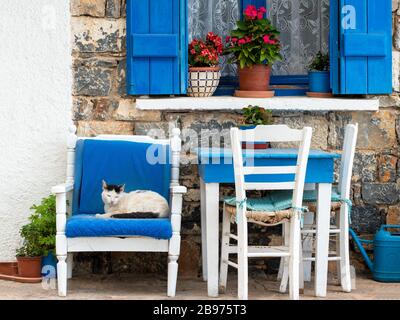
<point>62,188</point>
<point>178,190</point>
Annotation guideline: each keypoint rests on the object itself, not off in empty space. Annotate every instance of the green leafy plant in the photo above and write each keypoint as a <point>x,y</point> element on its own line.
<point>320,62</point>
<point>39,235</point>
<point>255,41</point>
<point>254,115</point>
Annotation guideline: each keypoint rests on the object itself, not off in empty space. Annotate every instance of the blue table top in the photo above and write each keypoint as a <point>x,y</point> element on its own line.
<point>263,154</point>
<point>216,165</point>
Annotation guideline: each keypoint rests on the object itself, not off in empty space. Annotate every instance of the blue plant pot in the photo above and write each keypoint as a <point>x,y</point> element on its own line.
<point>319,81</point>
<point>49,266</point>
<point>247,127</point>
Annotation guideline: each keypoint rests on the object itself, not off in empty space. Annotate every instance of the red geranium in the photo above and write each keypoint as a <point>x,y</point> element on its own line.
<point>205,53</point>
<point>255,41</point>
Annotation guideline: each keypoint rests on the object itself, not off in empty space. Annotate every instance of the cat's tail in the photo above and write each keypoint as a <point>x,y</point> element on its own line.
<point>137,215</point>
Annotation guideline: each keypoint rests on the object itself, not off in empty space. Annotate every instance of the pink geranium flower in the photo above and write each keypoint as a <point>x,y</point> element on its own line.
<point>251,12</point>
<point>268,40</point>
<point>261,12</point>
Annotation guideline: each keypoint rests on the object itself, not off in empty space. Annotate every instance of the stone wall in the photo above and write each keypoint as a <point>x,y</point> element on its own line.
<point>102,106</point>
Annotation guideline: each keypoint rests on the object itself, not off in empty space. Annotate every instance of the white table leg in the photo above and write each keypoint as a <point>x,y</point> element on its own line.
<point>203,228</point>
<point>212,236</point>
<point>322,238</point>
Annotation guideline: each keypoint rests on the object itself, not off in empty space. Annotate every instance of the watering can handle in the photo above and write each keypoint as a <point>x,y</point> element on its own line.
<point>388,226</point>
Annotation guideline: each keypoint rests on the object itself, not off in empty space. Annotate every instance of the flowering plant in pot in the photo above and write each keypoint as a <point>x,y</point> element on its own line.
<point>252,117</point>
<point>319,75</point>
<point>204,73</point>
<point>254,46</point>
<point>39,239</point>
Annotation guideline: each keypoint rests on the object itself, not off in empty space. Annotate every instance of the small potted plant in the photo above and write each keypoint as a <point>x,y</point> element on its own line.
<point>204,72</point>
<point>319,76</point>
<point>254,46</point>
<point>252,117</point>
<point>38,240</point>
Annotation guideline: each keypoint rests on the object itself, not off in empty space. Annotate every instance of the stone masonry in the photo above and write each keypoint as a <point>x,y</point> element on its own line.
<point>102,106</point>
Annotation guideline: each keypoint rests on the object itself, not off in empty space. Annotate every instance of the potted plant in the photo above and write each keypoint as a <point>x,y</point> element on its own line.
<point>252,117</point>
<point>38,239</point>
<point>254,46</point>
<point>319,75</point>
<point>204,72</point>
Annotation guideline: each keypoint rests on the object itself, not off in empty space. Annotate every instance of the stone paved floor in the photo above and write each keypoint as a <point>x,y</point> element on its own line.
<point>151,287</point>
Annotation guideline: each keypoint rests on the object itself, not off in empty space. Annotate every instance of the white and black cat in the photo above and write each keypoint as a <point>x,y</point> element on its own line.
<point>136,204</point>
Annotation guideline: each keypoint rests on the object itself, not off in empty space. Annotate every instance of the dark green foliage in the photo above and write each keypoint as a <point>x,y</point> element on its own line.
<point>254,115</point>
<point>39,235</point>
<point>320,62</point>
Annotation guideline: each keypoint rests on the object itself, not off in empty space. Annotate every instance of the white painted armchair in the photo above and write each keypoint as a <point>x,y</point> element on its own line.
<point>66,244</point>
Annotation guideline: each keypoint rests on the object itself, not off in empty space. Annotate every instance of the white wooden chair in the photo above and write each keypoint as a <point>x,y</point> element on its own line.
<point>276,133</point>
<point>66,246</point>
<point>341,203</point>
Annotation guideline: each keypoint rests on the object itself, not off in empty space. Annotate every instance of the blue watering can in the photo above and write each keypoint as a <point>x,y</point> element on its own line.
<point>386,264</point>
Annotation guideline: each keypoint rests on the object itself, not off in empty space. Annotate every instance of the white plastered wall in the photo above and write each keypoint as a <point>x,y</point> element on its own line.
<point>35,108</point>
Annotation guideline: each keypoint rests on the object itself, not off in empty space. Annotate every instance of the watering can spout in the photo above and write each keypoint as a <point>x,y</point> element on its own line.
<point>359,242</point>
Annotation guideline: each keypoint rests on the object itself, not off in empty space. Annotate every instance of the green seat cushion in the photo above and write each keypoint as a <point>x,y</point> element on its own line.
<point>279,200</point>
<point>311,195</point>
<point>269,203</point>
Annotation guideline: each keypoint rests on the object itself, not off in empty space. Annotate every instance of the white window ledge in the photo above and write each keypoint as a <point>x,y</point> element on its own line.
<point>276,103</point>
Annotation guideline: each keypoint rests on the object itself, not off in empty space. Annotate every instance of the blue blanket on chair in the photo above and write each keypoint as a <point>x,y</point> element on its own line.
<point>83,225</point>
<point>140,166</point>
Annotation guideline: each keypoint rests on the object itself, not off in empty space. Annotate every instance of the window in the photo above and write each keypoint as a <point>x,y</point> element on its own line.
<point>356,32</point>
<point>219,16</point>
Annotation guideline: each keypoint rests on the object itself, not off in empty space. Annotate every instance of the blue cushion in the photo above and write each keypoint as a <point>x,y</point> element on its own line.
<point>311,195</point>
<point>118,162</point>
<point>279,200</point>
<point>268,203</point>
<point>85,225</point>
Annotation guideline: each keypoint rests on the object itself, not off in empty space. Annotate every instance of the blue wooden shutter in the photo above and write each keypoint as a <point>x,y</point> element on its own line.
<point>157,47</point>
<point>361,46</point>
<point>257,3</point>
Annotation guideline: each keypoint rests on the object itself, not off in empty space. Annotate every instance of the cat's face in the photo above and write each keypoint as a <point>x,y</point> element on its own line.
<point>111,194</point>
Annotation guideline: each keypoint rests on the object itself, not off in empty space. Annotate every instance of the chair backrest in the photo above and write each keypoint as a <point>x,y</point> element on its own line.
<point>347,160</point>
<point>140,162</point>
<point>273,133</point>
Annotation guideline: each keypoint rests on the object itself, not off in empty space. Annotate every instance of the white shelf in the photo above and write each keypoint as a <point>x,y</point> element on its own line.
<point>276,103</point>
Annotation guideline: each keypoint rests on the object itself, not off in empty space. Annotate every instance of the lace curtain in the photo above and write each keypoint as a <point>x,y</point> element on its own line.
<point>304,27</point>
<point>218,16</point>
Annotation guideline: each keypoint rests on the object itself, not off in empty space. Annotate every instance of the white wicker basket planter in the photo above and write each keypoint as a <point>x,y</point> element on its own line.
<point>203,81</point>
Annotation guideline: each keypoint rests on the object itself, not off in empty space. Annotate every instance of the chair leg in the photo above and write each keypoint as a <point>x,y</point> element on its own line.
<point>294,258</point>
<point>337,238</point>
<point>225,242</point>
<point>285,233</point>
<point>345,276</point>
<point>285,275</point>
<point>62,275</point>
<point>285,261</point>
<point>242,256</point>
<point>172,275</point>
<point>301,267</point>
<point>70,265</point>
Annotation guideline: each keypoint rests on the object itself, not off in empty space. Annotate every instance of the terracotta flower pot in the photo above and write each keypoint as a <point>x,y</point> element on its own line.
<point>29,267</point>
<point>254,78</point>
<point>203,81</point>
